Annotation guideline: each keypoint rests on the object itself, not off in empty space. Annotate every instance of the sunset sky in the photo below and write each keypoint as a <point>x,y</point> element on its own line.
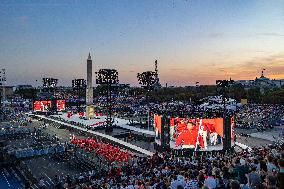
<point>193,40</point>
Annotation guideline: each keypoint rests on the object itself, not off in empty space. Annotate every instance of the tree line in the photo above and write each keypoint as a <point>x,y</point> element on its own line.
<point>194,94</point>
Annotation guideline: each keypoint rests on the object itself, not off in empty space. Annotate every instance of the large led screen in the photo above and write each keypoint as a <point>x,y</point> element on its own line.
<point>232,131</point>
<point>42,105</point>
<point>197,134</point>
<point>60,104</point>
<point>157,128</point>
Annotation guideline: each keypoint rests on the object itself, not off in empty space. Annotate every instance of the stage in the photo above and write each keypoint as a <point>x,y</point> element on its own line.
<point>108,137</point>
<point>118,122</point>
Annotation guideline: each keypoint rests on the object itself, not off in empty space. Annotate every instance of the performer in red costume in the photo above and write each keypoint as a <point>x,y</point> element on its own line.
<point>181,126</point>
<point>189,137</point>
<point>69,114</point>
<point>203,132</point>
<point>38,106</point>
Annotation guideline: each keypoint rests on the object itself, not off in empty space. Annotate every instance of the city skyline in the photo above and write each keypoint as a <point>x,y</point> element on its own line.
<point>192,40</point>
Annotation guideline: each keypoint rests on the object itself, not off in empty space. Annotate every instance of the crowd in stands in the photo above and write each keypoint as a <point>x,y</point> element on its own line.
<point>11,131</point>
<point>32,152</point>
<point>15,114</point>
<point>40,143</point>
<point>139,105</point>
<point>260,117</point>
<point>260,168</point>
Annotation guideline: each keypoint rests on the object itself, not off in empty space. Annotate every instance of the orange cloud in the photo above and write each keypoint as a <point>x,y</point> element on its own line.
<point>210,72</point>
<point>276,76</point>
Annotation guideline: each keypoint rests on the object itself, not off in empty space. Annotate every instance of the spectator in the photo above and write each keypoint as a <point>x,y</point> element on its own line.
<point>234,184</point>
<point>262,170</point>
<point>192,183</point>
<point>57,183</point>
<point>271,181</point>
<point>253,178</point>
<point>240,171</point>
<point>41,183</point>
<point>280,174</point>
<point>270,165</point>
<point>210,181</point>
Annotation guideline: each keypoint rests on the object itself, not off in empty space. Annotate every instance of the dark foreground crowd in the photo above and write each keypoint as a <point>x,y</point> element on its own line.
<point>260,168</point>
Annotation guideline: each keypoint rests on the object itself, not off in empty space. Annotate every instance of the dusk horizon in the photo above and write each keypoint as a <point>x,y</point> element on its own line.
<point>193,41</point>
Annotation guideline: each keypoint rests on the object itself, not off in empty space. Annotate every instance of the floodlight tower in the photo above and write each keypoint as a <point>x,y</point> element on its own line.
<point>224,86</point>
<point>109,78</point>
<point>78,86</point>
<point>147,80</point>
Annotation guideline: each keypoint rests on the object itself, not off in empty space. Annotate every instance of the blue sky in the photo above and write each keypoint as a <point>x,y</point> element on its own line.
<point>193,40</point>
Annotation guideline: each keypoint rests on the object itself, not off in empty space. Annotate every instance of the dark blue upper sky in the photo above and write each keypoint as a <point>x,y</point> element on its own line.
<point>193,40</point>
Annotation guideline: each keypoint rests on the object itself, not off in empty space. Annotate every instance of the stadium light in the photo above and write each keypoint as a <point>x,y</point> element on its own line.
<point>147,80</point>
<point>108,77</point>
<point>79,85</point>
<point>224,85</point>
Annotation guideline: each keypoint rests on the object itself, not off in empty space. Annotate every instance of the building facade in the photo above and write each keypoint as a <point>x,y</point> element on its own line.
<point>262,82</point>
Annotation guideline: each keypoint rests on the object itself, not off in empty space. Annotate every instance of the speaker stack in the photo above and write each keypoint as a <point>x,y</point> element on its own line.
<point>227,133</point>
<point>165,132</point>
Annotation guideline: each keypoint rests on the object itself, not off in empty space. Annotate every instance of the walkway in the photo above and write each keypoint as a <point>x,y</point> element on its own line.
<point>128,145</point>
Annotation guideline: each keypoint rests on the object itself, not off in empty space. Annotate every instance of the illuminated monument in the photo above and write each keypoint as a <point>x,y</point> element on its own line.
<point>89,89</point>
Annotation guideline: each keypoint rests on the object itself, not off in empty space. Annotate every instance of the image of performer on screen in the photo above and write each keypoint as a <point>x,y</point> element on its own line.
<point>189,137</point>
<point>203,132</point>
<point>157,126</point>
<point>213,136</point>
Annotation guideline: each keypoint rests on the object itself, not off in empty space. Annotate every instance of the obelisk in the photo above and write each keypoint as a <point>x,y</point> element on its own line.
<point>89,89</point>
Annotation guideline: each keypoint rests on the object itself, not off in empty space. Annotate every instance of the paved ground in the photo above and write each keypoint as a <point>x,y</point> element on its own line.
<point>260,138</point>
<point>253,142</point>
<point>49,166</point>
